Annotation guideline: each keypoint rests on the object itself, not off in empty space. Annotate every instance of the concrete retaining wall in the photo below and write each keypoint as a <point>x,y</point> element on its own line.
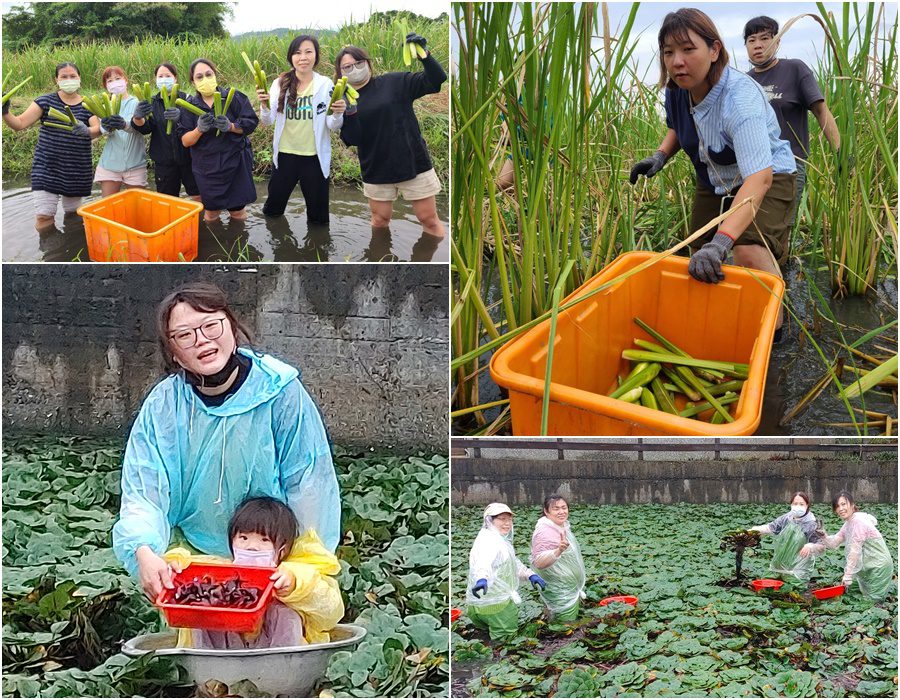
<point>527,481</point>
<point>79,348</point>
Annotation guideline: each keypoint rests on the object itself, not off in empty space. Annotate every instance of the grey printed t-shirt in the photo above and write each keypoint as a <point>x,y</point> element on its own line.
<point>791,88</point>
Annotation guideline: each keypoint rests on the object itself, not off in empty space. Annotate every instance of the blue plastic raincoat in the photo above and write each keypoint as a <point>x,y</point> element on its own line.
<point>190,465</point>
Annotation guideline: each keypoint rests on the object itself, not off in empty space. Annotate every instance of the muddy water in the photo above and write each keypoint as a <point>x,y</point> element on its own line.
<point>348,237</point>
<point>795,365</point>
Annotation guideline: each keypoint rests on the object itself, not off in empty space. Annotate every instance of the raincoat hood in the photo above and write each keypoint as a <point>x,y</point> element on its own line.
<point>267,378</point>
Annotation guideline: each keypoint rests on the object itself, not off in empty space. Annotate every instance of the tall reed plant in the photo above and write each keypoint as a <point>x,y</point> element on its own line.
<point>852,195</point>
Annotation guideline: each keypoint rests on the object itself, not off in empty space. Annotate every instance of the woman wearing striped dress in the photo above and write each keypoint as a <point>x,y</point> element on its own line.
<point>62,159</point>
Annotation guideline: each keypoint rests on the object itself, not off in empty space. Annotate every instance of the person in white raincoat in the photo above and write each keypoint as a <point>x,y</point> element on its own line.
<point>794,530</point>
<point>492,592</point>
<point>228,423</point>
<point>868,560</point>
<point>556,554</point>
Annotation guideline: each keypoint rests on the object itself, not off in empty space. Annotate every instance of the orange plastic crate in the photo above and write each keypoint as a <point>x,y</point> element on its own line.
<point>732,321</point>
<point>141,226</point>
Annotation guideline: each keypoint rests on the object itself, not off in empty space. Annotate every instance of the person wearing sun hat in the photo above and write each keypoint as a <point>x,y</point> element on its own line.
<point>492,591</point>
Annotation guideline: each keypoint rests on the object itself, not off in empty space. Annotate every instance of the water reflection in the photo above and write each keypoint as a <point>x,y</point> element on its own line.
<point>348,237</point>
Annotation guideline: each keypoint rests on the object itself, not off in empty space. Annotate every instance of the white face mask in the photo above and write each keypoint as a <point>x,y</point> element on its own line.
<point>165,82</point>
<point>251,557</point>
<point>798,511</point>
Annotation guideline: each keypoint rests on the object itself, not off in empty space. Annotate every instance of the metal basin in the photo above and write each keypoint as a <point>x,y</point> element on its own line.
<point>285,671</point>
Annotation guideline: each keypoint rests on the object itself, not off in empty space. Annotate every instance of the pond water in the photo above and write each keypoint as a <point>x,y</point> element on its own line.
<point>290,238</point>
<point>795,365</point>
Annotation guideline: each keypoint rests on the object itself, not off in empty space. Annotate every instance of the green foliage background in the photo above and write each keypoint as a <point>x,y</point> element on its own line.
<point>68,605</point>
<point>687,636</point>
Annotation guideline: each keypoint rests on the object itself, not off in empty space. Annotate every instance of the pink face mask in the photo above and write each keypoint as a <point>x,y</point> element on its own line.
<point>116,87</point>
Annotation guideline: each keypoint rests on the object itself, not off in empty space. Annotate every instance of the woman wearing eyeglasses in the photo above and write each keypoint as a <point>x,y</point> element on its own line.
<point>393,156</point>
<point>228,422</point>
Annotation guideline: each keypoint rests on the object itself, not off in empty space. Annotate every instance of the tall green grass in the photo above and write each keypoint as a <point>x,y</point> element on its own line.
<point>852,196</point>
<point>380,38</point>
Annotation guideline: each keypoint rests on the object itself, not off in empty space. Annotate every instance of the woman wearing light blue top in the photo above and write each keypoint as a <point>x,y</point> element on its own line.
<point>227,424</point>
<point>723,122</point>
<point>123,161</point>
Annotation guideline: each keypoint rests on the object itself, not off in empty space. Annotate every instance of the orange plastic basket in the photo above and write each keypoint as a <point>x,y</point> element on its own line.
<point>732,321</point>
<point>141,226</point>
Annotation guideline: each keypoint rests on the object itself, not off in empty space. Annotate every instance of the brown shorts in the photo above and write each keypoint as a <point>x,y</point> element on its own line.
<point>771,224</point>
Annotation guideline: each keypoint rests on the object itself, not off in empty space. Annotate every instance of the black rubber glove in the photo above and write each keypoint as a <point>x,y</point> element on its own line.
<point>479,587</point>
<point>222,124</point>
<point>6,106</point>
<point>648,167</point>
<point>116,121</point>
<point>706,263</point>
<point>416,39</point>
<point>172,113</point>
<point>206,122</point>
<point>537,581</point>
<point>80,129</point>
<point>143,110</point>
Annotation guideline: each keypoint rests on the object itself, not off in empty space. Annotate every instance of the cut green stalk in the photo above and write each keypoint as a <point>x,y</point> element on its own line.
<point>703,407</point>
<point>12,92</point>
<point>662,396</point>
<point>669,346</point>
<point>648,399</point>
<point>64,127</point>
<point>872,378</point>
<point>725,387</point>
<point>735,369</point>
<point>192,108</point>
<point>632,396</point>
<point>645,376</point>
<point>682,385</point>
<point>689,377</point>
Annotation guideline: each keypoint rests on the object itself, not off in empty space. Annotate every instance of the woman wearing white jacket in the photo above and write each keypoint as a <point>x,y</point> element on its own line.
<point>297,103</point>
<point>492,591</point>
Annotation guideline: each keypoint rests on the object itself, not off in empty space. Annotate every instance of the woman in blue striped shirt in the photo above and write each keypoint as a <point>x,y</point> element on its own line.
<point>62,159</point>
<point>723,122</point>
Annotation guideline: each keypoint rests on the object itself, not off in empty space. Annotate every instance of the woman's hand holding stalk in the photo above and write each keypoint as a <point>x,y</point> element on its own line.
<point>154,572</point>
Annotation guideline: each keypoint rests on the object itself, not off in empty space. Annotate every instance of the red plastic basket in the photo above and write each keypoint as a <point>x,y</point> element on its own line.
<point>626,599</point>
<point>761,583</point>
<point>215,618</point>
<point>455,614</point>
<point>830,592</point>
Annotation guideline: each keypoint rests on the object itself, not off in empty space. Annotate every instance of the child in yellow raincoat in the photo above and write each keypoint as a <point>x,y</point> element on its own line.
<point>307,601</point>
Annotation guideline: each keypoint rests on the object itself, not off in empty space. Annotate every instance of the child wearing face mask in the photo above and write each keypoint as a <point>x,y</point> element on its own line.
<point>123,161</point>
<point>264,532</point>
<point>795,533</point>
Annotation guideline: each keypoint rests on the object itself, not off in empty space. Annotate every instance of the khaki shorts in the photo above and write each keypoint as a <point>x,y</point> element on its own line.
<point>771,224</point>
<point>421,186</point>
<point>136,177</point>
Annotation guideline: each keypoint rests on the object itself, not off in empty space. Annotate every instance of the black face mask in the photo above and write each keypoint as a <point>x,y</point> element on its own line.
<point>213,380</point>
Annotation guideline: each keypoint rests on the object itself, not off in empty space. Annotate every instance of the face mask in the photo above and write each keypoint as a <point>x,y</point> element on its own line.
<point>206,86</point>
<point>356,76</point>
<point>798,511</point>
<point>249,557</point>
<point>70,85</point>
<point>165,82</point>
<point>764,63</point>
<point>116,87</point>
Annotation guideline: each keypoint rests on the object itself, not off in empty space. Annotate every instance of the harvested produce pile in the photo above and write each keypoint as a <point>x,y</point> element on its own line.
<point>664,377</point>
<point>229,594</point>
<point>687,636</point>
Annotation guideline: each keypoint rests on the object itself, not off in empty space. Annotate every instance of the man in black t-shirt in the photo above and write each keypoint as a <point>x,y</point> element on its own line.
<point>792,90</point>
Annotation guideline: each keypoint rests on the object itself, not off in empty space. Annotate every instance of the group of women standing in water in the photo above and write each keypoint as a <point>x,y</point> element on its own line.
<point>211,156</point>
<point>558,572</point>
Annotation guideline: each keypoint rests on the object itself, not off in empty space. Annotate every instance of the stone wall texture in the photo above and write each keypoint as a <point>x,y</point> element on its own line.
<point>80,353</point>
